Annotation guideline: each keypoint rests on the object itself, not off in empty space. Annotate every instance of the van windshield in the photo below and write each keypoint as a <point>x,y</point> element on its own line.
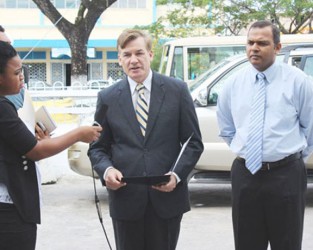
<point>204,76</point>
<point>200,59</point>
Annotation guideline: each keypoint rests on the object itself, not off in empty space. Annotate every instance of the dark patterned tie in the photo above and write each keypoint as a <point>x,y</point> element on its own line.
<point>142,108</point>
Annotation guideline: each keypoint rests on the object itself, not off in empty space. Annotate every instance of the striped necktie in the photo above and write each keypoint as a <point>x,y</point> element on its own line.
<point>254,151</point>
<point>142,108</point>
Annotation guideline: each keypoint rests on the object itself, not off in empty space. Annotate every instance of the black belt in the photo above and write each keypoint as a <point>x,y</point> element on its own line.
<point>6,205</point>
<point>275,164</point>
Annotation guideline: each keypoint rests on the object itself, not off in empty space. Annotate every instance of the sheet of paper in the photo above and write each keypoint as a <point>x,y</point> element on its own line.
<point>181,152</point>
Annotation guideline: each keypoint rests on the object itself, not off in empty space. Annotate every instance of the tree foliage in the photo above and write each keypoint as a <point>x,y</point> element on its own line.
<point>291,16</point>
<point>77,33</point>
<point>186,17</point>
<point>226,17</point>
<point>231,17</point>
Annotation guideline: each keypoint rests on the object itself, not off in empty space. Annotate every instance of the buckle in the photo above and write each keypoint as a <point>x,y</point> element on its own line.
<point>267,165</point>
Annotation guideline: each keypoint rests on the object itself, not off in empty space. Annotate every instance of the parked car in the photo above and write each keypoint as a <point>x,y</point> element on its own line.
<point>216,159</point>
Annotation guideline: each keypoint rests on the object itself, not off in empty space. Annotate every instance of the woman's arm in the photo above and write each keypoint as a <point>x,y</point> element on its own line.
<point>51,146</point>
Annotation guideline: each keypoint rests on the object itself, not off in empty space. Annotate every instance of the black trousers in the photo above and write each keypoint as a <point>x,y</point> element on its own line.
<point>15,234</point>
<point>268,207</point>
<point>148,233</point>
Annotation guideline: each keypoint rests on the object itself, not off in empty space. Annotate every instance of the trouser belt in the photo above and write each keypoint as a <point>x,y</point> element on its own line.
<point>275,164</point>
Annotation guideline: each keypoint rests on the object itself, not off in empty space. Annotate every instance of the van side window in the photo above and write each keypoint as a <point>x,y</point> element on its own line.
<point>216,89</point>
<point>201,59</point>
<point>177,69</point>
<point>308,66</point>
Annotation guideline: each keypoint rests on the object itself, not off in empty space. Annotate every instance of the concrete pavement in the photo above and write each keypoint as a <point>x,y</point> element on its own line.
<point>70,221</point>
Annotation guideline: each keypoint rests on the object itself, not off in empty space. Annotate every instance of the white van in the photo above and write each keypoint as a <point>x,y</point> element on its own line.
<point>187,58</point>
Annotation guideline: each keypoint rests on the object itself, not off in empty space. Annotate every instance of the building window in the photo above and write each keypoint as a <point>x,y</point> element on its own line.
<point>34,55</point>
<point>37,73</point>
<point>57,73</point>
<point>95,71</point>
<point>10,4</point>
<point>23,4</point>
<point>59,4</point>
<point>68,4</point>
<point>71,4</point>
<point>141,4</point>
<point>112,55</point>
<point>115,71</point>
<point>130,4</point>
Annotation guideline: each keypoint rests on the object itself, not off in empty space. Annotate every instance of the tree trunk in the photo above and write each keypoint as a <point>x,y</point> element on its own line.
<point>78,44</point>
<point>77,34</point>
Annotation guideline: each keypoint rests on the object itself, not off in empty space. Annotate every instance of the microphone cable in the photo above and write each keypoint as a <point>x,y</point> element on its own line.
<point>97,202</point>
<point>99,115</point>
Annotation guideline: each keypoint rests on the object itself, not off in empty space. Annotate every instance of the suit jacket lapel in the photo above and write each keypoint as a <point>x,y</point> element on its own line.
<point>156,101</point>
<point>126,104</point>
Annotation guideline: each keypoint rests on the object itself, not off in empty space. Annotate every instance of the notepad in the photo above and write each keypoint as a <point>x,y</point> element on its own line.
<point>147,180</point>
<point>42,116</point>
<point>156,179</point>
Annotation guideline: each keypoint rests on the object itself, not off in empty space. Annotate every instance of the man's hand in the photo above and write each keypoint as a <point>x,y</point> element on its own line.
<point>113,179</point>
<point>168,187</point>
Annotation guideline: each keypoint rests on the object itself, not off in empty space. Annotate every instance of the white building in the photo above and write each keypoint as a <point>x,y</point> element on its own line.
<point>46,51</point>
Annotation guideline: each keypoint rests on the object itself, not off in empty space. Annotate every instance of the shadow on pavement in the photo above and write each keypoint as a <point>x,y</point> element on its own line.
<point>219,195</point>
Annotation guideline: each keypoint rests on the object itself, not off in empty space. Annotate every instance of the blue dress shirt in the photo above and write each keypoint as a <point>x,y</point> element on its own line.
<point>288,126</point>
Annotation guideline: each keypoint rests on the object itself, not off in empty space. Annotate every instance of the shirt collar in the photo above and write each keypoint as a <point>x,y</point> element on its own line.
<point>269,72</point>
<point>147,83</point>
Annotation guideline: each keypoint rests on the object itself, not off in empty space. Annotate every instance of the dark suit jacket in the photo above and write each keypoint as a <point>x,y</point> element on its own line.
<point>16,171</point>
<point>172,119</point>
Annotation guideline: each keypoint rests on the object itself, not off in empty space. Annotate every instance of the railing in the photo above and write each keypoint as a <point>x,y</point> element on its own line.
<point>67,104</point>
<point>58,85</point>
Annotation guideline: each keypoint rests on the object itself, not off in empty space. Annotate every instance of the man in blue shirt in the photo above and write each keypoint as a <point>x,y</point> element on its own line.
<point>268,124</point>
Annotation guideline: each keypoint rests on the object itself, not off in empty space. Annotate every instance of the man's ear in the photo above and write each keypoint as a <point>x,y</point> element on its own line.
<point>277,48</point>
<point>119,60</point>
<point>151,54</point>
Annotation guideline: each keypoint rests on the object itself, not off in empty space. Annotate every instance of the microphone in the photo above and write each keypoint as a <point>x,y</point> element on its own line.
<point>99,115</point>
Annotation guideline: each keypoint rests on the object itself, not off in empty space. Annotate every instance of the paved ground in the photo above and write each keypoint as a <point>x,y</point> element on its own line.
<point>69,217</point>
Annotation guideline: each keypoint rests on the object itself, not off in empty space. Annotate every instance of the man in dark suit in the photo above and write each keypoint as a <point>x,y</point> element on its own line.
<point>145,217</point>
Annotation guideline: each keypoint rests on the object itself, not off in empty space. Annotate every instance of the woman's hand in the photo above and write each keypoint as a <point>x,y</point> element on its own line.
<point>89,134</point>
<point>40,134</point>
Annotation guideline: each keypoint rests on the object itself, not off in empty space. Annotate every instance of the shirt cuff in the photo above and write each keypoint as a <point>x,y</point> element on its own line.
<point>105,173</point>
<point>177,177</point>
